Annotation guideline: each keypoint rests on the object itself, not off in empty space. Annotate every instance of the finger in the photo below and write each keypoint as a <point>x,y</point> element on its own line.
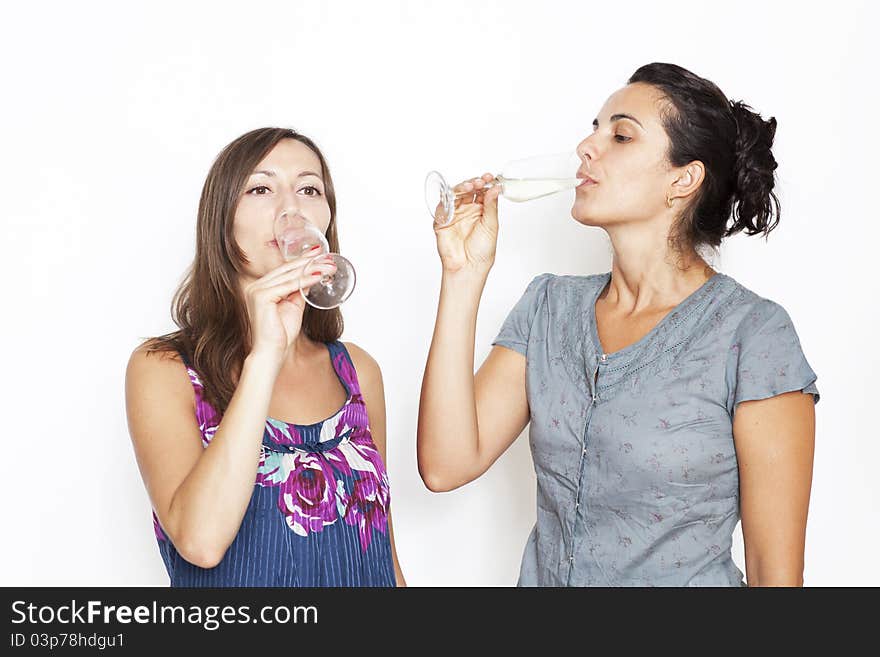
<point>483,181</point>
<point>312,270</point>
<point>490,207</point>
<point>464,199</point>
<point>465,216</point>
<point>323,264</point>
<point>482,185</point>
<point>283,289</point>
<point>291,264</point>
<point>468,218</point>
<point>318,273</point>
<point>288,266</point>
<point>442,217</point>
<point>466,186</point>
<point>471,192</point>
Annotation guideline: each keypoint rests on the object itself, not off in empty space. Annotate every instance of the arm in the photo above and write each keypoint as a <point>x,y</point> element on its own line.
<point>466,422</point>
<point>200,495</point>
<point>373,391</point>
<point>775,440</point>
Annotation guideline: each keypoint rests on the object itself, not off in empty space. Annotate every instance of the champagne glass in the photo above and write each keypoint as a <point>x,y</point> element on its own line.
<point>520,180</point>
<point>296,236</point>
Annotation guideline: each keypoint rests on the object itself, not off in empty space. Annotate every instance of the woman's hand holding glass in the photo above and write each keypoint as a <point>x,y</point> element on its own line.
<point>275,303</point>
<point>468,243</point>
<point>466,216</point>
<point>296,236</point>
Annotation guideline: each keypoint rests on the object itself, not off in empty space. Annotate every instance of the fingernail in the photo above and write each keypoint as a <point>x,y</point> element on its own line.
<point>317,246</point>
<point>317,273</point>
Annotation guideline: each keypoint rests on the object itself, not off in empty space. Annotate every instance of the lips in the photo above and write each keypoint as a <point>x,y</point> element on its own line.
<point>586,180</point>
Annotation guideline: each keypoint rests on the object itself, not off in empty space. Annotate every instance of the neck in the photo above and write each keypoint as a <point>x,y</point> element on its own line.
<point>647,274</point>
<point>299,351</point>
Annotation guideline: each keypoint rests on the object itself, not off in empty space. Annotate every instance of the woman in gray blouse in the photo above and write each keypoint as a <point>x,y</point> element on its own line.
<point>666,400</point>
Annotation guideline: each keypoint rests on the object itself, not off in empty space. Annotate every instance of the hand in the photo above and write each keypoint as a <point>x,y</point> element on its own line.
<point>275,305</point>
<point>469,242</point>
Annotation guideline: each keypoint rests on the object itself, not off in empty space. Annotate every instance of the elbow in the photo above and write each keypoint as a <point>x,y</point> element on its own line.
<point>438,485</point>
<point>440,474</point>
<point>430,474</point>
<point>201,553</point>
<point>195,544</point>
<point>435,481</point>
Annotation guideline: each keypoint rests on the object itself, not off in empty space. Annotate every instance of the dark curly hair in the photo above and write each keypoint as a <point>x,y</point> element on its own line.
<point>733,143</point>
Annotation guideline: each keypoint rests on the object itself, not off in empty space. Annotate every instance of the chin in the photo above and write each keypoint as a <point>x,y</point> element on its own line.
<point>259,268</point>
<point>586,217</point>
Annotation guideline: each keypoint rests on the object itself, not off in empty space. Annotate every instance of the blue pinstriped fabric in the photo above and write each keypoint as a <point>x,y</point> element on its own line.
<point>318,515</point>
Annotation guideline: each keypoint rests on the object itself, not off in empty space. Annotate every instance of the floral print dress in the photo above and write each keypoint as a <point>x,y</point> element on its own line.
<point>318,515</point>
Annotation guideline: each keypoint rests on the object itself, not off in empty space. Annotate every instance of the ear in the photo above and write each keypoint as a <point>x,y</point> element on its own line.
<point>687,180</point>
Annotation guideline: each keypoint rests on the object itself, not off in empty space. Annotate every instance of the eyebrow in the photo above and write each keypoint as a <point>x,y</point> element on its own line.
<point>271,174</point>
<point>618,117</point>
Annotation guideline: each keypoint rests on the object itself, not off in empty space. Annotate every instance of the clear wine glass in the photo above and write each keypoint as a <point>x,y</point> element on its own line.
<point>521,180</point>
<point>296,236</point>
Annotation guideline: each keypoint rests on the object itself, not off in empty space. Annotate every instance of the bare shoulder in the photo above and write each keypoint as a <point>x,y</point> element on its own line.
<point>369,373</point>
<point>149,369</point>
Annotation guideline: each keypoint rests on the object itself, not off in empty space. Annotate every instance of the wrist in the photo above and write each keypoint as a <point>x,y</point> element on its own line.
<point>264,359</point>
<point>467,277</point>
<point>462,290</point>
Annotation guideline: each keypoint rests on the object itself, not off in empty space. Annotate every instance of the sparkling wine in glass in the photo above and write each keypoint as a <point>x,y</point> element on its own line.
<point>296,236</point>
<point>520,180</point>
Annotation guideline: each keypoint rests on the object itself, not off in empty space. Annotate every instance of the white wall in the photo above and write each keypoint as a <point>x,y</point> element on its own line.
<point>112,114</point>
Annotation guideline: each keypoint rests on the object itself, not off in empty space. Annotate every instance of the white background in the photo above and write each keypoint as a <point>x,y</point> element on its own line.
<point>112,114</point>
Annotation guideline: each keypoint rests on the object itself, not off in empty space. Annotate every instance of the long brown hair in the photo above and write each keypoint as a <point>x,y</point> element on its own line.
<point>213,333</point>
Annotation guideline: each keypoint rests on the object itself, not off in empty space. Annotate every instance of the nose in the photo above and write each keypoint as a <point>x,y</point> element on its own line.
<point>586,150</point>
<point>289,205</point>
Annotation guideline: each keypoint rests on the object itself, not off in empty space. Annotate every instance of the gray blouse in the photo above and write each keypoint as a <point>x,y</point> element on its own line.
<point>637,475</point>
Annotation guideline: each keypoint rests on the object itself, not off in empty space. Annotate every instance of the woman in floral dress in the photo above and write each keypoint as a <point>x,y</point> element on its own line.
<point>259,435</point>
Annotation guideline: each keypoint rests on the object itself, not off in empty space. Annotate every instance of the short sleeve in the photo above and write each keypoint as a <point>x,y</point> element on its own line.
<point>515,331</point>
<point>769,358</point>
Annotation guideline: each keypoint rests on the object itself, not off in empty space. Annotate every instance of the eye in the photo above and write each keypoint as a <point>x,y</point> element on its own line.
<point>259,190</point>
<point>310,190</point>
<point>622,139</point>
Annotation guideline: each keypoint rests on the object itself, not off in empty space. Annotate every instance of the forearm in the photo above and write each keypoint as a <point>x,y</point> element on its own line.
<point>781,571</point>
<point>777,577</point>
<point>778,581</point>
<point>448,431</point>
<point>206,510</point>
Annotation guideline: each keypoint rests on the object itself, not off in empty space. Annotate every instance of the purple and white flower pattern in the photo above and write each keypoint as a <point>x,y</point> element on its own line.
<point>318,487</point>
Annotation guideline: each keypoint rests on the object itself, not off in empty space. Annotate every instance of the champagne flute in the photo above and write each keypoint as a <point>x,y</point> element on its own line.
<point>521,180</point>
<point>296,236</point>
